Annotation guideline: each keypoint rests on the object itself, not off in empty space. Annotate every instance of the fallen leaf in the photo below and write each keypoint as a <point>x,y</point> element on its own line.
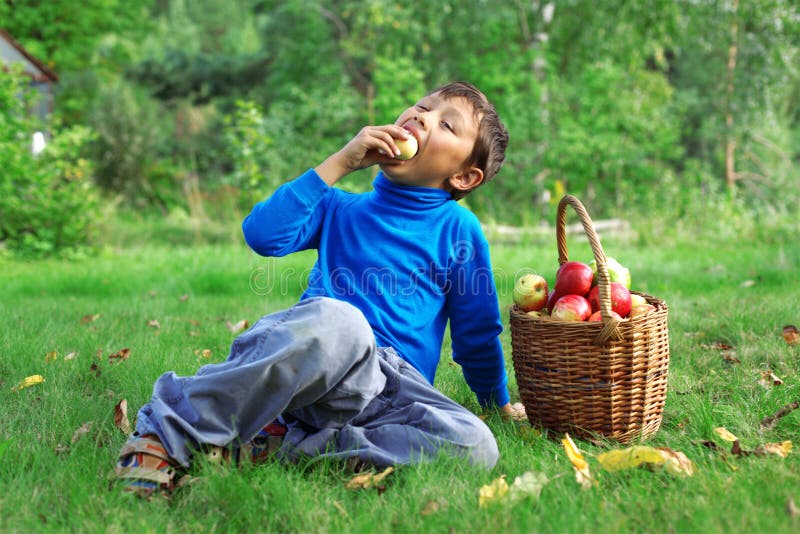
<point>51,356</point>
<point>70,356</point>
<point>121,417</point>
<point>368,480</point>
<point>528,484</point>
<point>769,379</point>
<point>81,431</point>
<point>90,318</point>
<point>618,459</point>
<point>120,356</point>
<point>781,449</point>
<point>493,492</point>
<point>748,283</point>
<point>430,508</point>
<point>153,323</point>
<point>791,508</point>
<point>729,357</point>
<point>28,381</point>
<point>582,474</point>
<point>184,298</point>
<point>676,462</point>
<point>768,423</point>
<point>238,327</point>
<point>95,369</point>
<point>791,334</point>
<point>205,353</point>
<point>717,345</point>
<point>723,433</point>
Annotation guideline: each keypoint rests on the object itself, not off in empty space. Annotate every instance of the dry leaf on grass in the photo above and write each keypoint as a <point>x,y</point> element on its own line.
<point>27,382</point>
<point>495,491</point>
<point>768,423</point>
<point>723,433</point>
<point>90,318</point>
<point>51,356</point>
<point>205,353</point>
<point>769,379</point>
<point>791,508</point>
<point>81,431</point>
<point>121,417</point>
<point>153,323</point>
<point>70,356</point>
<point>184,298</point>
<point>618,459</point>
<point>676,462</point>
<point>582,474</point>
<point>119,356</point>
<point>238,327</point>
<point>368,480</point>
<point>791,334</point>
<point>781,449</point>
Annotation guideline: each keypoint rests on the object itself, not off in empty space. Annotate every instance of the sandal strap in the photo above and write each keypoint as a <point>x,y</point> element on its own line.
<point>146,446</point>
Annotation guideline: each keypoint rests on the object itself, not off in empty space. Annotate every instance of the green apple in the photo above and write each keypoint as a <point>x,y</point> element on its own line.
<point>616,272</point>
<point>408,147</point>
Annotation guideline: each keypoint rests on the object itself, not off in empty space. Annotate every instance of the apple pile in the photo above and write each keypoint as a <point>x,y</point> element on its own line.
<point>576,296</point>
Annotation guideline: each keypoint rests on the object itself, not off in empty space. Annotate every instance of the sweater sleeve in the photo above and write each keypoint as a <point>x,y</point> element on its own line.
<point>475,324</point>
<point>290,219</point>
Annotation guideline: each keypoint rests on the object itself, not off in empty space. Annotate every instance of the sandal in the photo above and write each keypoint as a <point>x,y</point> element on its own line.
<point>146,467</point>
<point>255,452</point>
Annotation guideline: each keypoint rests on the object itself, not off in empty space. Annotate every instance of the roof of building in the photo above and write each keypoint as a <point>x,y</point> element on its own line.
<point>12,52</point>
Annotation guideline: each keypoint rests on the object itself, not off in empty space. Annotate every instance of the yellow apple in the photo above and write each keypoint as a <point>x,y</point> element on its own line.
<point>408,147</point>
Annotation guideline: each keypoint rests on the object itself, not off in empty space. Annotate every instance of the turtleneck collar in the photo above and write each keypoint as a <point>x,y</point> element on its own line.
<point>404,196</point>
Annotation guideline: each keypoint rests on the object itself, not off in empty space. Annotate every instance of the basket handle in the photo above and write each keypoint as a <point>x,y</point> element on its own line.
<point>610,331</point>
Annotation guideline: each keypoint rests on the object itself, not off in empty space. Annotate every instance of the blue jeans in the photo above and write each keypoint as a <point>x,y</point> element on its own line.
<point>317,365</point>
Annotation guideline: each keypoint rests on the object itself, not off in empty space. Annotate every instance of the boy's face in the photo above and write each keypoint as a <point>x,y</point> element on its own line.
<point>446,131</point>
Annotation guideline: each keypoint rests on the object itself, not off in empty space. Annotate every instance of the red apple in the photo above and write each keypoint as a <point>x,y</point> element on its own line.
<point>530,292</point>
<point>573,278</point>
<point>597,316</point>
<point>620,299</point>
<point>552,299</point>
<point>571,308</point>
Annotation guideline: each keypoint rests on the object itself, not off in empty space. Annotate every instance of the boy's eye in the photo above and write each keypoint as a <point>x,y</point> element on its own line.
<point>423,108</point>
<point>448,126</point>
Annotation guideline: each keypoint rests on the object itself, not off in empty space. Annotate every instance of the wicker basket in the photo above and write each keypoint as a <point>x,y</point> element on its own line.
<point>601,379</point>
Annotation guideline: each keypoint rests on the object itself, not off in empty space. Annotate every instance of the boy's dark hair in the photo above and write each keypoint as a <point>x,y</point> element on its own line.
<point>489,152</point>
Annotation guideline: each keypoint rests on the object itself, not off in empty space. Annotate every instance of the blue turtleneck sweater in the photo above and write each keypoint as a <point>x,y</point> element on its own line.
<point>409,258</point>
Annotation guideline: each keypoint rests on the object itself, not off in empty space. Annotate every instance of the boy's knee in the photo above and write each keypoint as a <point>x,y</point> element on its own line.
<point>484,452</point>
<point>345,319</point>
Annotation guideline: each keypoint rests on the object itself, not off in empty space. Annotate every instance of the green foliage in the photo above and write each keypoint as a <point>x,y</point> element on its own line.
<point>48,201</point>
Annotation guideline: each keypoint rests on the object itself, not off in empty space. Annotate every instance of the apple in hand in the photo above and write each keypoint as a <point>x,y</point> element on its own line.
<point>598,316</point>
<point>620,299</point>
<point>616,272</point>
<point>573,278</point>
<point>530,292</point>
<point>571,308</point>
<point>408,147</point>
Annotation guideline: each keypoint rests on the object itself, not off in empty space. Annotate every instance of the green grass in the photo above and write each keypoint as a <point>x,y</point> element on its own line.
<point>50,483</point>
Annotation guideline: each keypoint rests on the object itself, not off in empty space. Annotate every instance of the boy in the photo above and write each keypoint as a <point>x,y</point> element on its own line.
<point>348,371</point>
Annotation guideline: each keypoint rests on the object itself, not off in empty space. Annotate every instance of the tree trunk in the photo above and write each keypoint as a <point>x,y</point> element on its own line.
<point>730,140</point>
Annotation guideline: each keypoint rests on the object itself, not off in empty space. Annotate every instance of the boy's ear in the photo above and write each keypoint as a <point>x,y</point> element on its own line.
<point>467,180</point>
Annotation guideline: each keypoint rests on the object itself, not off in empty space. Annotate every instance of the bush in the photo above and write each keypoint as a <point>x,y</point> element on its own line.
<point>48,202</point>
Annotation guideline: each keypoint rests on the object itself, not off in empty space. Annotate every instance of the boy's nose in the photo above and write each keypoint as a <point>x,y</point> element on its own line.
<point>420,120</point>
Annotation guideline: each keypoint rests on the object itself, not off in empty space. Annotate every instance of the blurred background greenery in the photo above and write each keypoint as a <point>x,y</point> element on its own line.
<point>681,117</point>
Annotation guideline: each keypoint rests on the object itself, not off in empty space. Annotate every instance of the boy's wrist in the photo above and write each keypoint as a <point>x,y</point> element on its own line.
<point>332,169</point>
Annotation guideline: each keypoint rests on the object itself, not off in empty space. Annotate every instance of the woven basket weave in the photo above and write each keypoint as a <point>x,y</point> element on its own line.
<point>593,379</point>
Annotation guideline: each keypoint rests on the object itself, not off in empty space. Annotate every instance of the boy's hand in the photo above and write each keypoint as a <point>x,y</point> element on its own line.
<point>515,412</point>
<point>372,145</point>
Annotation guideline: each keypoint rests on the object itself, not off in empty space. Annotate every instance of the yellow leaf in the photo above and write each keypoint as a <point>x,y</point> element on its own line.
<point>238,327</point>
<point>629,458</point>
<point>781,449</point>
<point>582,474</point>
<point>493,492</point>
<point>28,382</point>
<point>723,433</point>
<point>367,480</point>
<point>676,462</point>
<point>51,356</point>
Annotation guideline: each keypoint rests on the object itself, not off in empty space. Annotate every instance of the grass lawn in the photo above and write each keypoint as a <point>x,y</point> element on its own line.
<point>58,440</point>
